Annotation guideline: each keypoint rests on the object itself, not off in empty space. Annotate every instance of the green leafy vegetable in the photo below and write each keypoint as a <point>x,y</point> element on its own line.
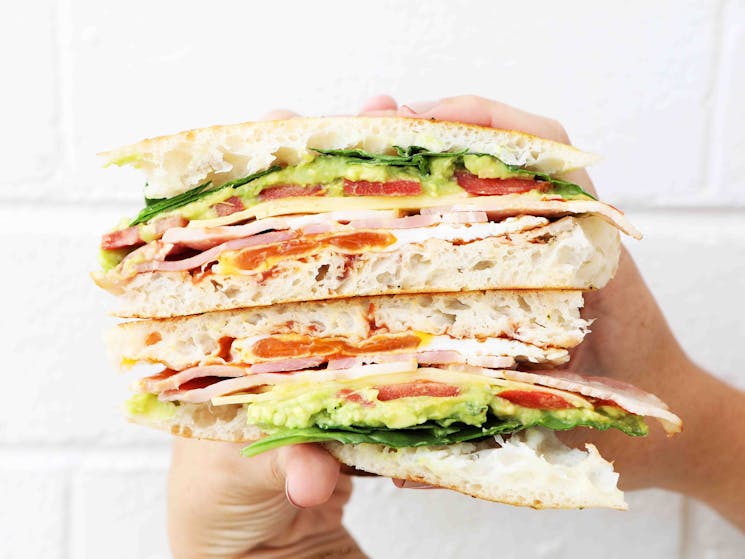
<point>412,156</point>
<point>156,206</point>
<point>428,434</point>
<point>567,189</point>
<point>421,158</point>
<point>433,434</point>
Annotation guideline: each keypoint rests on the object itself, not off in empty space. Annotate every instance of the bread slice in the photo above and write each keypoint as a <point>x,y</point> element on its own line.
<point>177,163</point>
<point>572,253</point>
<point>530,468</point>
<point>533,320</point>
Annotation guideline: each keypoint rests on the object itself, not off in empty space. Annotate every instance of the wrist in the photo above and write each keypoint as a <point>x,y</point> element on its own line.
<point>706,459</point>
<point>331,545</point>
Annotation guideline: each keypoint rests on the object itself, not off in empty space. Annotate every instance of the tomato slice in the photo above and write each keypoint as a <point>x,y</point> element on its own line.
<point>496,187</point>
<point>355,397</point>
<point>536,400</point>
<point>390,188</point>
<point>122,238</point>
<point>289,191</point>
<point>229,206</point>
<point>416,388</point>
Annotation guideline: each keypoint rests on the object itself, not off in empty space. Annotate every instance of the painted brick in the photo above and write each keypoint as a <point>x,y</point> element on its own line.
<point>694,263</point>
<point>119,511</point>
<point>32,515</point>
<point>711,537</point>
<point>441,524</point>
<point>639,100</point>
<point>727,178</point>
<point>29,108</point>
<point>67,391</point>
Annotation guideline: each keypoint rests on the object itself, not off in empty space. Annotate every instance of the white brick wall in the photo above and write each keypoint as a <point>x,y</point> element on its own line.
<point>657,88</point>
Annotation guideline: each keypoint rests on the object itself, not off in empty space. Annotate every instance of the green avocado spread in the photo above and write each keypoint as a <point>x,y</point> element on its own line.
<point>329,169</point>
<point>306,413</point>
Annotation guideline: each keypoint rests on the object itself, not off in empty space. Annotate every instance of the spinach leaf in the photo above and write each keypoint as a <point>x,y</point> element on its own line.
<point>432,433</point>
<point>412,156</point>
<point>155,206</point>
<point>428,434</point>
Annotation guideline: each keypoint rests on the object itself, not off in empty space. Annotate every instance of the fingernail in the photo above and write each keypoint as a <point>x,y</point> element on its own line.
<point>289,497</point>
<point>406,484</point>
<point>419,107</point>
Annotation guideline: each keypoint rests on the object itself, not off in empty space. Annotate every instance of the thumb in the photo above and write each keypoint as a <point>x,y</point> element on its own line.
<point>307,473</point>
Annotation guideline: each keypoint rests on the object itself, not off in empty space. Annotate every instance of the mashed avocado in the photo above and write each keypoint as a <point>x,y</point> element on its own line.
<point>330,169</point>
<point>332,407</point>
<point>149,406</point>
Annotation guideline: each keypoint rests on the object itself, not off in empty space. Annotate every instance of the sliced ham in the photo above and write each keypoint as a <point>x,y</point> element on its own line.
<point>628,397</point>
<point>499,207</point>
<point>229,386</point>
<point>284,365</point>
<point>202,238</point>
<point>211,255</point>
<point>440,357</point>
<point>171,380</point>
<point>132,236</point>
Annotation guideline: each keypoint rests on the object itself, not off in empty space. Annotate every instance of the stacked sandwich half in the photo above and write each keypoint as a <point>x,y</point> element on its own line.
<point>404,291</point>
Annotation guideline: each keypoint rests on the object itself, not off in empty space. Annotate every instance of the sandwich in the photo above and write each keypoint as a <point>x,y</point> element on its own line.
<point>405,292</point>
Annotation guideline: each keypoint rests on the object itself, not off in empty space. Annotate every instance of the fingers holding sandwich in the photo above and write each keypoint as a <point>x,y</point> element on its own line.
<point>472,109</point>
<point>274,498</point>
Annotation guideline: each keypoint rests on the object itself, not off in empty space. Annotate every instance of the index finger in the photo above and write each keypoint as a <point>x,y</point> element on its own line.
<point>473,109</point>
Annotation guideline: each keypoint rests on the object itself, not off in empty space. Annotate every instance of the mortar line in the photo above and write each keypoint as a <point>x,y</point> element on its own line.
<point>712,159</point>
<point>685,527</point>
<point>67,523</point>
<point>65,85</point>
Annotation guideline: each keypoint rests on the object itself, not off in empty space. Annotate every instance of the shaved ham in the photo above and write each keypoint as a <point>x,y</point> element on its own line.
<point>344,363</point>
<point>284,365</point>
<point>162,382</point>
<point>131,236</point>
<point>628,397</point>
<point>232,385</point>
<point>491,361</point>
<point>498,207</point>
<point>212,254</point>
<point>203,238</point>
<point>440,357</point>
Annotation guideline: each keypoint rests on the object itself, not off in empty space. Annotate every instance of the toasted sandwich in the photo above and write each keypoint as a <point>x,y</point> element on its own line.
<point>402,291</point>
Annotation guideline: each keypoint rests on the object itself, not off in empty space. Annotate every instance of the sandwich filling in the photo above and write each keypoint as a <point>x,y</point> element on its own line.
<point>413,176</point>
<point>398,400</point>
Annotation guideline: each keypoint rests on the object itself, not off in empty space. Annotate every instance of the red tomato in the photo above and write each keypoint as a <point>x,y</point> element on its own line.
<point>537,400</point>
<point>289,191</point>
<point>229,206</point>
<point>495,187</point>
<point>390,188</point>
<point>355,397</point>
<point>417,388</point>
<point>122,238</point>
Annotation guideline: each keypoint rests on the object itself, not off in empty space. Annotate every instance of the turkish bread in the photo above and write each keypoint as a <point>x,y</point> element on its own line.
<point>529,468</point>
<point>541,320</point>
<point>572,253</point>
<point>176,163</point>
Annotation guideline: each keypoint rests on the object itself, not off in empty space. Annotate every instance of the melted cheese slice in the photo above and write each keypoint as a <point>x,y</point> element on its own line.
<point>497,206</point>
<point>348,379</point>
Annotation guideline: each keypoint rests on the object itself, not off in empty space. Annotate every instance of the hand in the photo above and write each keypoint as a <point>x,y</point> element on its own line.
<point>284,503</point>
<point>631,341</point>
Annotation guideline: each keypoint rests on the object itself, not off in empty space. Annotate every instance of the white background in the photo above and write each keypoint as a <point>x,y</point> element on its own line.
<point>658,88</point>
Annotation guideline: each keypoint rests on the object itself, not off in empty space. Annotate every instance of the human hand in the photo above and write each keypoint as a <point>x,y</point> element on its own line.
<point>631,341</point>
<point>284,503</point>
